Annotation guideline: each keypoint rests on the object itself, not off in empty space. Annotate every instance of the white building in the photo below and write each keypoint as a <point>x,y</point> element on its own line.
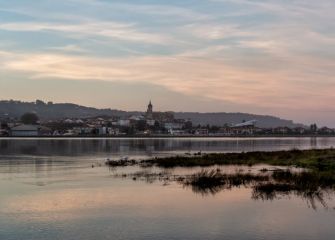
<point>79,121</point>
<point>102,131</point>
<point>201,131</point>
<point>151,122</point>
<point>176,132</point>
<point>136,118</point>
<point>172,125</point>
<point>250,123</point>
<point>68,121</point>
<point>124,123</point>
<point>113,131</point>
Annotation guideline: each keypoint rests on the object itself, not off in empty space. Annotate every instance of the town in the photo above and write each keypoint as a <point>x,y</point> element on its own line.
<point>151,123</point>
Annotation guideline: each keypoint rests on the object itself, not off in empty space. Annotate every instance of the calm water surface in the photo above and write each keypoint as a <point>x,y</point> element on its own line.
<point>49,190</point>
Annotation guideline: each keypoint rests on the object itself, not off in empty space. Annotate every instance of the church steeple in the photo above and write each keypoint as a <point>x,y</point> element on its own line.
<point>149,111</point>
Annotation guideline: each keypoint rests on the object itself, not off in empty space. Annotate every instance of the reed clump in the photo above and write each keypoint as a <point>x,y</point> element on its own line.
<point>213,181</point>
<point>310,185</point>
<point>120,163</point>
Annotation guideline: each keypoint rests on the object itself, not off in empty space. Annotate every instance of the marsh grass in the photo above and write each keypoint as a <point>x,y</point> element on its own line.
<point>322,160</point>
<point>314,182</point>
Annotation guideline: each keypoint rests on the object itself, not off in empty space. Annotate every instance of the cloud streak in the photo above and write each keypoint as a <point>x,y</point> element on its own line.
<point>213,79</point>
<point>269,54</point>
<point>111,30</point>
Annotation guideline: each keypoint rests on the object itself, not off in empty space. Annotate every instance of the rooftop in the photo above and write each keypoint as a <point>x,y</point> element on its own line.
<point>26,128</point>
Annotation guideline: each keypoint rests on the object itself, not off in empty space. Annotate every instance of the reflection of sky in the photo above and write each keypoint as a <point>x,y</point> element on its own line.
<point>274,57</point>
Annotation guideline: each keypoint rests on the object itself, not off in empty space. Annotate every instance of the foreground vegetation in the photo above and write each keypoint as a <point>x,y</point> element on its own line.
<point>321,160</point>
<point>310,185</point>
<point>314,180</point>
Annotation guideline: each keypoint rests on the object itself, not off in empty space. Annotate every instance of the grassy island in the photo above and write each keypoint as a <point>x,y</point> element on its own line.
<point>316,159</point>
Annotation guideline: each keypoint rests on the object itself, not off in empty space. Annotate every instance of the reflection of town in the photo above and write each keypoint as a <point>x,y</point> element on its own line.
<point>90,148</point>
<point>149,124</point>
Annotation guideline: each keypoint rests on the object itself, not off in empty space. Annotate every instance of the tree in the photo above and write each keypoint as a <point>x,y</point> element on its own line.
<point>130,130</point>
<point>40,103</point>
<point>214,129</point>
<point>188,125</point>
<point>157,126</point>
<point>29,118</point>
<point>4,125</point>
<point>314,128</point>
<point>141,125</point>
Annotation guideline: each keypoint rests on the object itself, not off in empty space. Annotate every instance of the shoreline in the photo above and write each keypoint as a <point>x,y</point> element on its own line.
<point>168,136</point>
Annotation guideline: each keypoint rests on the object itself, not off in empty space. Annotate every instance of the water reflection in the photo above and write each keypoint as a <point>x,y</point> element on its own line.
<point>49,190</point>
<point>150,147</point>
<point>315,187</point>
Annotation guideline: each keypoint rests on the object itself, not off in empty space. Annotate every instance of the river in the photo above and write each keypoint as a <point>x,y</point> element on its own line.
<point>60,189</point>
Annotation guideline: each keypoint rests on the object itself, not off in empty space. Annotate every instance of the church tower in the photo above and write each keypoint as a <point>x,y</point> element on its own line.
<point>149,111</point>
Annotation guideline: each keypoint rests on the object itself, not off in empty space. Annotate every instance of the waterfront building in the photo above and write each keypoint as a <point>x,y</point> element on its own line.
<point>173,125</point>
<point>299,130</point>
<point>124,122</point>
<point>326,130</point>
<point>25,131</point>
<point>201,131</point>
<point>282,130</point>
<point>176,132</point>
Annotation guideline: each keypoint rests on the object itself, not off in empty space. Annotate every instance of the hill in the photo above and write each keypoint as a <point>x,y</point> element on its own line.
<point>233,118</point>
<point>15,109</point>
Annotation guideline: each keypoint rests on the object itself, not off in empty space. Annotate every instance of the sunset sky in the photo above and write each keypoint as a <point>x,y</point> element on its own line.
<point>272,57</point>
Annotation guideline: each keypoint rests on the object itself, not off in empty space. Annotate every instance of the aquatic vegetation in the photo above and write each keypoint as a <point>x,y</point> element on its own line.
<point>312,186</point>
<point>120,163</point>
<point>316,159</point>
<point>213,181</point>
<point>320,159</point>
<point>148,176</point>
<point>313,182</point>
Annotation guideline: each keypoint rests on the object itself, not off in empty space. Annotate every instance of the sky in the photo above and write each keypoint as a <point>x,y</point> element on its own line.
<point>271,57</point>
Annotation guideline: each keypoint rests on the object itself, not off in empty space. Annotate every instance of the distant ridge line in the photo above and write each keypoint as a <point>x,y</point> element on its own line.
<point>52,111</point>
